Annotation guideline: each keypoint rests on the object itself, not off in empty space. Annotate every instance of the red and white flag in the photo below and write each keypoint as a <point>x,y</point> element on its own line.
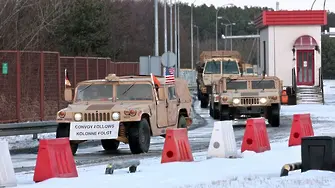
<point>169,75</point>
<point>67,81</point>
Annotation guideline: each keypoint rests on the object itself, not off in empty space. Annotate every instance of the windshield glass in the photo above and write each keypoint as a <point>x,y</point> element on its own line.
<point>230,67</point>
<point>135,92</point>
<point>234,84</point>
<point>264,84</point>
<point>94,92</point>
<point>212,67</point>
<point>250,70</point>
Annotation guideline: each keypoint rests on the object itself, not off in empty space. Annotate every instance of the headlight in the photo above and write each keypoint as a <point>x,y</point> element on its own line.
<point>116,116</point>
<point>236,101</point>
<point>62,114</point>
<point>78,116</point>
<point>262,100</point>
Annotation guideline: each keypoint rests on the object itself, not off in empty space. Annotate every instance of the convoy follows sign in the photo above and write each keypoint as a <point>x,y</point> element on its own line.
<point>94,130</point>
<point>4,68</point>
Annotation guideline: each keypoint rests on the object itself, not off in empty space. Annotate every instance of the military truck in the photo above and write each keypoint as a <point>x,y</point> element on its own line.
<point>128,109</point>
<point>212,66</point>
<point>249,96</point>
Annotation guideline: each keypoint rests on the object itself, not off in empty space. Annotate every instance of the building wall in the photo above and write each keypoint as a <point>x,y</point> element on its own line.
<point>279,43</point>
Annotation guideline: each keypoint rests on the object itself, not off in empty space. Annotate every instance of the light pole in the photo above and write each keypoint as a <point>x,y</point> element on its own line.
<point>198,42</point>
<point>192,56</point>
<point>156,29</point>
<point>216,24</point>
<point>226,34</point>
<point>165,28</point>
<point>171,26</point>
<point>231,31</point>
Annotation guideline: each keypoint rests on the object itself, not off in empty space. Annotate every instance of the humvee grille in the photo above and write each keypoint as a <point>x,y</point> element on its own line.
<point>246,101</point>
<point>97,117</point>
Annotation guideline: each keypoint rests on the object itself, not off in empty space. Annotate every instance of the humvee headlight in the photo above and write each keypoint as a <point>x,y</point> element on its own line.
<point>116,116</point>
<point>224,98</point>
<point>236,101</point>
<point>78,116</point>
<point>262,100</point>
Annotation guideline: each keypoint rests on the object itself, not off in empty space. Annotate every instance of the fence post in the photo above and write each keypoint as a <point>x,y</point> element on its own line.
<point>59,81</point>
<point>74,72</point>
<point>106,73</point>
<point>87,75</point>
<point>42,86</point>
<point>18,85</point>
<point>97,68</point>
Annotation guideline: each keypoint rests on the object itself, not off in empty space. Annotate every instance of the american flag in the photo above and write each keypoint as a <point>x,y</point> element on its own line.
<point>169,75</point>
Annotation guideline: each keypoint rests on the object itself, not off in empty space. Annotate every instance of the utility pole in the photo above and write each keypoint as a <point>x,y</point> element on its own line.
<point>178,42</point>
<point>171,27</point>
<point>165,28</point>
<point>225,40</point>
<point>156,29</point>
<point>198,44</point>
<point>192,37</point>
<point>175,27</point>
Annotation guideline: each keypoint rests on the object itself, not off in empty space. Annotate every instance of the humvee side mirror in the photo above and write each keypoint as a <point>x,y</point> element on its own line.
<point>68,94</point>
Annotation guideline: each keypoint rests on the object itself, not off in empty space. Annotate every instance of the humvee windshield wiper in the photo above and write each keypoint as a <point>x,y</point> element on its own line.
<point>86,87</point>
<point>128,89</point>
<point>259,81</point>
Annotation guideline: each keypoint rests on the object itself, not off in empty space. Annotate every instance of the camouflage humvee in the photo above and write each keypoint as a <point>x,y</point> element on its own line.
<point>128,109</point>
<point>250,96</point>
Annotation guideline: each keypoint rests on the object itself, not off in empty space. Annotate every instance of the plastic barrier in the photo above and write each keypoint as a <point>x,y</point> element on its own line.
<point>301,127</point>
<point>54,159</point>
<point>176,146</point>
<point>255,136</point>
<point>7,174</point>
<point>223,142</point>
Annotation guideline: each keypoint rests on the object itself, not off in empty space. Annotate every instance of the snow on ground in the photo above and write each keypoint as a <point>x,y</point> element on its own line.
<point>252,170</point>
<point>260,170</point>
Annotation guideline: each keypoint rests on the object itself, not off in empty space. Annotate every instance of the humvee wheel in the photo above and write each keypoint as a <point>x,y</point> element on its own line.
<point>182,122</point>
<point>274,115</point>
<point>139,137</point>
<point>224,113</point>
<point>110,144</point>
<point>63,131</point>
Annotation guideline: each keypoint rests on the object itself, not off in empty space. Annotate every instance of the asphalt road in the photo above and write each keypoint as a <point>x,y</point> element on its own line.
<point>91,153</point>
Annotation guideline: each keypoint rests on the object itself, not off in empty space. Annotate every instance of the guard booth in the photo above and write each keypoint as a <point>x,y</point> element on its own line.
<point>290,48</point>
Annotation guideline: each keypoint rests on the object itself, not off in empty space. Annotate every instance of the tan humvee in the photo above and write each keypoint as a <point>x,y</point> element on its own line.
<point>128,109</point>
<point>251,96</point>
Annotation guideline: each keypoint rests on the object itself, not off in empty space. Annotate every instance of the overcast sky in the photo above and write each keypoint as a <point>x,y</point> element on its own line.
<point>283,4</point>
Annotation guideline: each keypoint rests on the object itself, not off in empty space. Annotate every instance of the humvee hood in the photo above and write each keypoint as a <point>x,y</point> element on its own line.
<point>111,106</point>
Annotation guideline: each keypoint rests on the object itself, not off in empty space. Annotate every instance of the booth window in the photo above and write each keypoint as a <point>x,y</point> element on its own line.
<point>172,93</point>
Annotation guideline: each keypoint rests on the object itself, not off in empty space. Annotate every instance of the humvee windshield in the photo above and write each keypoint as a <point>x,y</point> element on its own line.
<point>134,92</point>
<point>213,67</point>
<point>236,84</point>
<point>228,67</point>
<point>89,92</point>
<point>250,70</point>
<point>263,84</point>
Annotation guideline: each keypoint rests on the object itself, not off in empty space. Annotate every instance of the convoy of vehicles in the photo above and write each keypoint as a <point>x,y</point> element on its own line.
<point>213,66</point>
<point>248,96</point>
<point>128,109</point>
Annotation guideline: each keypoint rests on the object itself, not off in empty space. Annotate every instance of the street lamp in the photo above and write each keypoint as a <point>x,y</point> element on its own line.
<point>192,58</point>
<point>216,23</point>
<point>198,43</point>
<point>231,31</point>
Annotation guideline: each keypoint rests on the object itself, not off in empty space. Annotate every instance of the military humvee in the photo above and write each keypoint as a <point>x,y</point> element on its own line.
<point>250,96</point>
<point>128,109</point>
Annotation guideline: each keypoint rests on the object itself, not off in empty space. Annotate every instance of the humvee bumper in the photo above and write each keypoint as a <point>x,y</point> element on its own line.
<point>251,110</point>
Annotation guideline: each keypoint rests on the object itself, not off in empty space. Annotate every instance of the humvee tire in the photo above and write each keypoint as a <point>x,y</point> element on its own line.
<point>215,114</point>
<point>204,102</point>
<point>273,115</point>
<point>224,113</point>
<point>63,131</point>
<point>139,137</point>
<point>110,144</point>
<point>182,122</point>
